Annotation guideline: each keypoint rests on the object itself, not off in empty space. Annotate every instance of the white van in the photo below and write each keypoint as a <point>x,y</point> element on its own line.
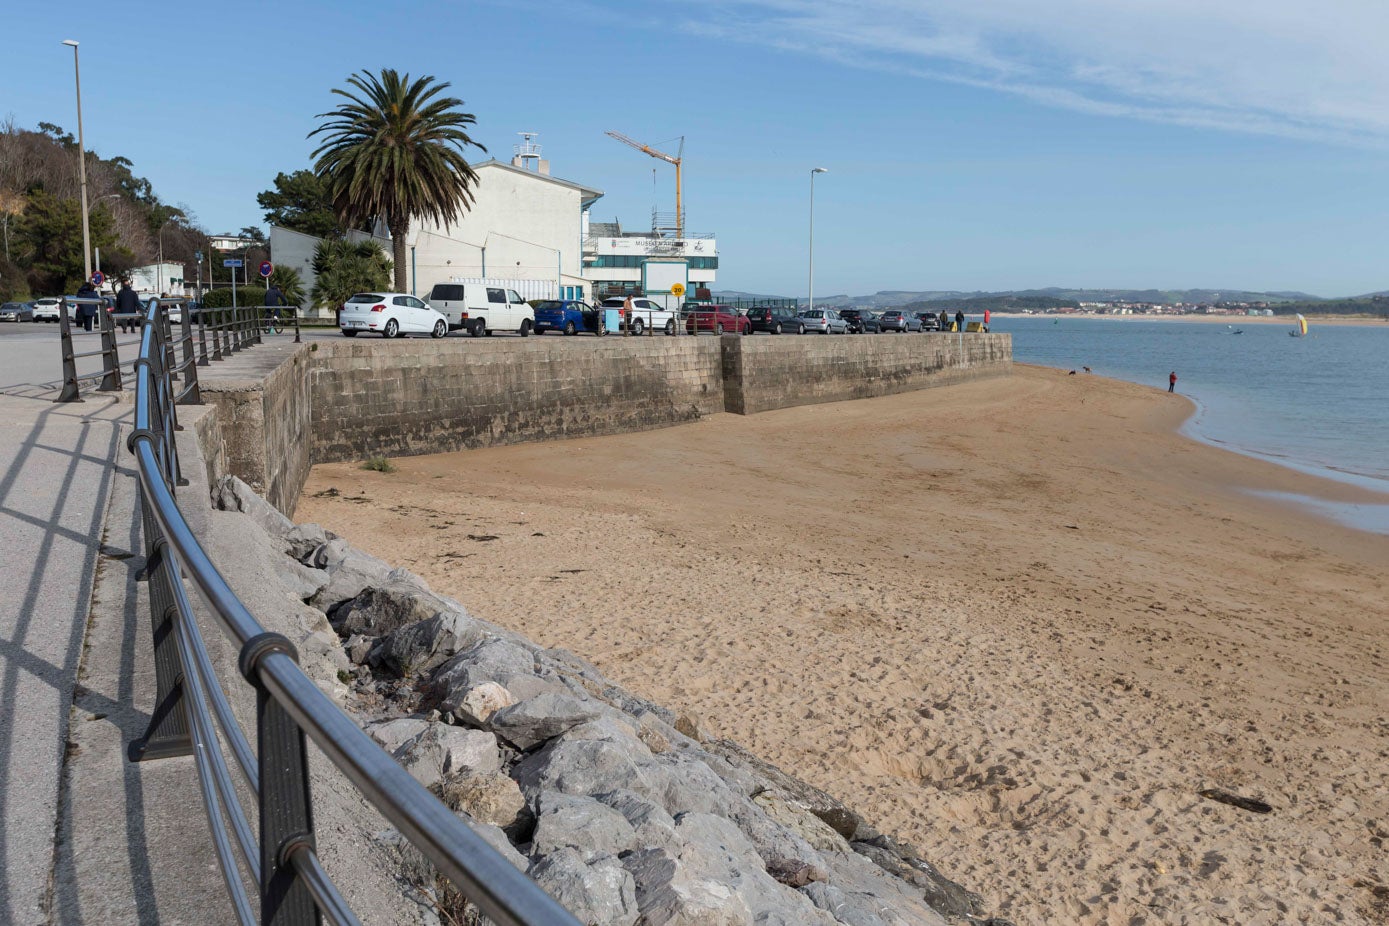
<point>482,309</point>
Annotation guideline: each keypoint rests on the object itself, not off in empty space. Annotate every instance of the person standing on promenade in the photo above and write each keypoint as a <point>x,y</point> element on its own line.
<point>627,314</point>
<point>944,320</point>
<point>86,311</point>
<point>959,321</point>
<point>127,307</point>
<point>1172,381</point>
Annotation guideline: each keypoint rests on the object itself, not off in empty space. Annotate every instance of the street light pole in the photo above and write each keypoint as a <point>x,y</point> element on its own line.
<point>811,286</point>
<point>82,166</point>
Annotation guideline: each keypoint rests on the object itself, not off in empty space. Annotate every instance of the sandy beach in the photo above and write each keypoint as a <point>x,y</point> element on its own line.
<point>1020,623</point>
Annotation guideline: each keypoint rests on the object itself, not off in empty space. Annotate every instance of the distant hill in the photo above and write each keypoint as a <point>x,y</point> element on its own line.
<point>886,298</point>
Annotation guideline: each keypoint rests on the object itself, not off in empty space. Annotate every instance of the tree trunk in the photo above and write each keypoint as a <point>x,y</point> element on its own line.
<point>399,227</point>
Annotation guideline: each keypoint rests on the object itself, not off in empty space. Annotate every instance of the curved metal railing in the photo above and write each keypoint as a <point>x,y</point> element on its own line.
<point>280,857</point>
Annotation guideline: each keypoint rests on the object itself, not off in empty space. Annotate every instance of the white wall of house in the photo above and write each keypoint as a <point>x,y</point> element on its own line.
<point>523,225</point>
<point>159,278</point>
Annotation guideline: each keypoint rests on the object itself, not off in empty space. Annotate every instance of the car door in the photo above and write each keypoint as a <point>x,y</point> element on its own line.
<point>404,313</point>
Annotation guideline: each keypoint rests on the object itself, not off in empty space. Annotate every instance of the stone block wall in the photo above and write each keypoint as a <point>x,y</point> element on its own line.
<point>419,396</point>
<point>763,373</point>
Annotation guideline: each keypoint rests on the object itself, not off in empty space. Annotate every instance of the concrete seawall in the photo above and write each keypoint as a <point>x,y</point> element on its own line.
<point>335,400</point>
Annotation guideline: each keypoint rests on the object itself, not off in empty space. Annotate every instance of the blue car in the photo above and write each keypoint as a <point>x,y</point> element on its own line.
<point>568,315</point>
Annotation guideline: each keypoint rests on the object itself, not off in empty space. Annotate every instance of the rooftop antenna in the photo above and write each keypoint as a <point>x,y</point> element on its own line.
<point>528,152</point>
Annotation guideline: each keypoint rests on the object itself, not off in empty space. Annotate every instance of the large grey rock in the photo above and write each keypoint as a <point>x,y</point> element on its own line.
<point>380,609</point>
<point>440,749</point>
<point>302,539</point>
<point>480,702</point>
<point>350,571</point>
<point>795,792</point>
<point>670,894</point>
<point>303,582</point>
<point>392,734</point>
<point>654,827</point>
<point>419,648</point>
<point>492,660</point>
<point>487,797</point>
<point>231,494</point>
<point>535,720</point>
<point>585,825</point>
<point>944,895</point>
<point>598,893</point>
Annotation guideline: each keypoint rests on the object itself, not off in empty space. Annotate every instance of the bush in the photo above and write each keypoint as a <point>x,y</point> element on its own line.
<point>245,295</point>
<point>379,464</point>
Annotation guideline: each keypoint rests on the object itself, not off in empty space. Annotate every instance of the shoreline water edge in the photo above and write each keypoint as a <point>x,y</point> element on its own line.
<point>1023,622</point>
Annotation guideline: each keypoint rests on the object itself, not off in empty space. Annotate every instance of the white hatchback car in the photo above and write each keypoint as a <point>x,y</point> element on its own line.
<point>47,309</point>
<point>391,315</point>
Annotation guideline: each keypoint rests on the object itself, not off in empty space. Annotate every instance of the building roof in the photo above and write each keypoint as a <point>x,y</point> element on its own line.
<point>589,194</point>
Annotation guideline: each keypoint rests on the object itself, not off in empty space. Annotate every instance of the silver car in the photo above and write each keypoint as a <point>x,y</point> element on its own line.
<point>825,321</point>
<point>16,312</point>
<point>899,321</point>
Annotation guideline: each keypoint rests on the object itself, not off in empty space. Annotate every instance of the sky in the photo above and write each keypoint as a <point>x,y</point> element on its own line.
<point>972,145</point>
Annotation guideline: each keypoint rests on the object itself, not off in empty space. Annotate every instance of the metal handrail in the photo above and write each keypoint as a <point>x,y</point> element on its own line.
<point>292,887</point>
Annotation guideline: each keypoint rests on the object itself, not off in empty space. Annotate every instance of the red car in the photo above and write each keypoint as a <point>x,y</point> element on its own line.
<point>716,318</point>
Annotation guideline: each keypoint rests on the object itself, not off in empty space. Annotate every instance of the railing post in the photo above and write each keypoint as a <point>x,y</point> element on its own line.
<point>296,325</point>
<point>110,356</point>
<point>70,392</point>
<point>286,809</point>
<point>189,372</point>
<point>168,731</point>
<point>257,323</point>
<point>202,339</point>
<point>233,331</point>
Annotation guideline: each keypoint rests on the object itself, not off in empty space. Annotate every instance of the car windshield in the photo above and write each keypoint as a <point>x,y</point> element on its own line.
<point>549,304</point>
<point>366,297</point>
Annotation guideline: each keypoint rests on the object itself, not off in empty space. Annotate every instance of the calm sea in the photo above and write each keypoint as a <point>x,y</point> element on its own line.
<point>1319,404</point>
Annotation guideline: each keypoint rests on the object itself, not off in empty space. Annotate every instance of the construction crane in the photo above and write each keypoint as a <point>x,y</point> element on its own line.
<point>662,156</point>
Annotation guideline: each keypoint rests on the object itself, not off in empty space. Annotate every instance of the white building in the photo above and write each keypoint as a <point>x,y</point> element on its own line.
<point>527,225</point>
<point>157,279</point>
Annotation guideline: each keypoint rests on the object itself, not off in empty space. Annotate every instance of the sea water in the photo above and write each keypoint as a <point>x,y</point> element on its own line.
<point>1319,403</point>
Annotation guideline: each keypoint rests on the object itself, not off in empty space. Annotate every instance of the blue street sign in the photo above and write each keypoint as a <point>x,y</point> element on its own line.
<point>98,278</point>
<point>231,263</point>
<point>266,268</point>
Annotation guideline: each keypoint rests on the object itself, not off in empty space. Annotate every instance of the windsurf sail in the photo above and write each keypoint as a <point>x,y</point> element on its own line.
<point>1301,326</point>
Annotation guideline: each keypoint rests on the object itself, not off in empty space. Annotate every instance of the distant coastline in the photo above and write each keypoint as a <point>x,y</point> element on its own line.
<point>1240,320</point>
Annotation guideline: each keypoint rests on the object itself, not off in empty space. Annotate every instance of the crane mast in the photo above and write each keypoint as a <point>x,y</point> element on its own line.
<point>669,159</point>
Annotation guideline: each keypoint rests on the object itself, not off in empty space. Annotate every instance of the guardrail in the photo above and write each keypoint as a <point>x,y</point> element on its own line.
<point>231,331</point>
<point>282,864</point>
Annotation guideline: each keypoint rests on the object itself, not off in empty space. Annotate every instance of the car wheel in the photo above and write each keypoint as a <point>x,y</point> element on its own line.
<point>638,327</point>
<point>777,329</point>
<point>718,329</point>
<point>670,327</point>
<point>478,328</point>
<point>526,328</point>
<point>569,329</point>
<point>800,329</point>
<point>348,334</point>
<point>392,329</point>
<point>441,328</point>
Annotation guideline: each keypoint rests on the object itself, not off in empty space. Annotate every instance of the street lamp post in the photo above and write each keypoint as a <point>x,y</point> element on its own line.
<point>82,166</point>
<point>811,286</point>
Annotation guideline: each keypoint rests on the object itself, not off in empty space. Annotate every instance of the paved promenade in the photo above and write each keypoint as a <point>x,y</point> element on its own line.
<point>85,836</point>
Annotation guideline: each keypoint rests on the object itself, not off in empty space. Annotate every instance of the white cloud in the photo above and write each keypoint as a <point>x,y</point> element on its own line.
<point>1283,67</point>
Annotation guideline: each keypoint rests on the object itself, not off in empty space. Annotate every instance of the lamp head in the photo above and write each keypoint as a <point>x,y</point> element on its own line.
<point>72,42</point>
<point>819,170</point>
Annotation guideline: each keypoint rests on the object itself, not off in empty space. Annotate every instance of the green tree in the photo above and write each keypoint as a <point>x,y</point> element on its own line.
<point>300,203</point>
<point>50,241</point>
<point>345,267</point>
<point>290,284</point>
<point>394,151</point>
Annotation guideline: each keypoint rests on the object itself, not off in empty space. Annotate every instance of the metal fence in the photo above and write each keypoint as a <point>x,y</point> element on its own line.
<point>230,331</point>
<point>272,872</point>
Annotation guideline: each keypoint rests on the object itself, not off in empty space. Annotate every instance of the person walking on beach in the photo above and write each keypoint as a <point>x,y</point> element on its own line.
<point>959,321</point>
<point>1172,381</point>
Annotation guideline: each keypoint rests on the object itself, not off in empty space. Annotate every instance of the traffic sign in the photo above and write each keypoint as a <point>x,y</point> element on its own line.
<point>98,278</point>
<point>677,289</point>
<point>266,268</point>
<point>231,262</point>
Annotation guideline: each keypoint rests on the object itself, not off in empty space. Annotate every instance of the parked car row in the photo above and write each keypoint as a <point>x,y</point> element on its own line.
<point>482,310</point>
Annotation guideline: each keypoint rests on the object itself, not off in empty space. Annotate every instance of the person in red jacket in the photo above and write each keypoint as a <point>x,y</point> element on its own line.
<point>1172,381</point>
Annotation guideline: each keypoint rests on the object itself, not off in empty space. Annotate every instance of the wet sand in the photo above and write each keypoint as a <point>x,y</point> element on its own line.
<point>1020,623</point>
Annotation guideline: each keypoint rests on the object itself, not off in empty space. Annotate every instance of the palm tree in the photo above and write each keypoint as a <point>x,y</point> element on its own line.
<point>394,151</point>
<point>343,267</point>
